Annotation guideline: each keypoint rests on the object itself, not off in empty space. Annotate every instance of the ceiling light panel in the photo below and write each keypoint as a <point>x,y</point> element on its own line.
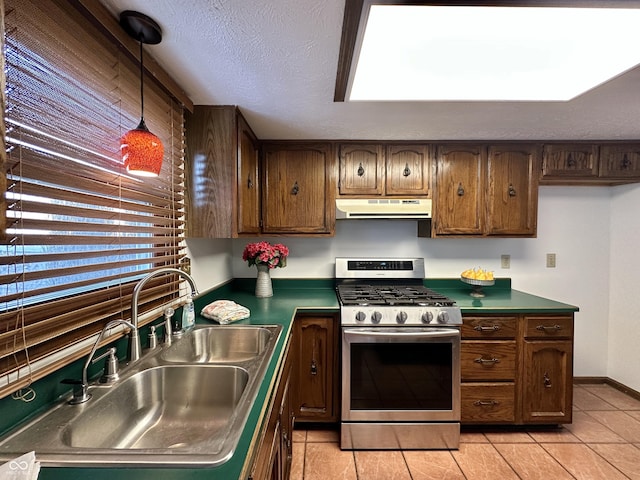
<point>435,53</point>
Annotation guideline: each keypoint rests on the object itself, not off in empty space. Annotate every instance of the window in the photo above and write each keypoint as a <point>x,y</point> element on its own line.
<point>79,231</point>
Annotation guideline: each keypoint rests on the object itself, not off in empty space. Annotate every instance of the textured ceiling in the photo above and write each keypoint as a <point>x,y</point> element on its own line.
<point>277,61</point>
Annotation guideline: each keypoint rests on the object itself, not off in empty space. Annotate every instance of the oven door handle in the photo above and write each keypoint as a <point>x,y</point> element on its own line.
<point>401,332</point>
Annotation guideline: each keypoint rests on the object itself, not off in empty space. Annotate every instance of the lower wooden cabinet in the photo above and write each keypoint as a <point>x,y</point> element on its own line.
<point>274,455</point>
<point>488,402</point>
<point>517,369</point>
<point>316,373</point>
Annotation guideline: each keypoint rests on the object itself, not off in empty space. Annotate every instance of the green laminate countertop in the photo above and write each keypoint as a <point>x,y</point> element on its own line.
<point>498,298</point>
<point>290,298</point>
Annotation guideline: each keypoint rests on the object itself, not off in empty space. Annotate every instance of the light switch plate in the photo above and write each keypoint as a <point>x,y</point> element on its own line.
<point>551,260</point>
<point>505,261</point>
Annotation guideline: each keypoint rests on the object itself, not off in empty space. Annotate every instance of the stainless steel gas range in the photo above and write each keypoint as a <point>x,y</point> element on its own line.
<point>400,357</point>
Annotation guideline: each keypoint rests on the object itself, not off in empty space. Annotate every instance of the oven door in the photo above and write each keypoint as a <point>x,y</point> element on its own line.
<point>400,374</point>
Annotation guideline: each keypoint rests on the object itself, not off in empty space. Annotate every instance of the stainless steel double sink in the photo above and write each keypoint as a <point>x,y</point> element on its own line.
<point>180,405</point>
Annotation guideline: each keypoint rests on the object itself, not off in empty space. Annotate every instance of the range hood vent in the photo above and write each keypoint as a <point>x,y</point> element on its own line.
<point>374,208</point>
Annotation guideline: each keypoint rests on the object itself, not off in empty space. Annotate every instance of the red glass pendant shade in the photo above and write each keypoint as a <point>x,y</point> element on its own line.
<point>142,152</point>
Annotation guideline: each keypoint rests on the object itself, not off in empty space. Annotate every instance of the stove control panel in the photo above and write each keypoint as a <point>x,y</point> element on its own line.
<point>416,316</point>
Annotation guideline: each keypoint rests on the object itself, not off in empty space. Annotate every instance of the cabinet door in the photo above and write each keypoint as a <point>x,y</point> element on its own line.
<point>570,161</point>
<point>408,170</point>
<point>316,345</point>
<point>361,169</point>
<point>512,190</point>
<point>620,161</point>
<point>547,381</point>
<point>460,170</point>
<point>298,194</point>
<point>248,180</point>
<point>210,172</point>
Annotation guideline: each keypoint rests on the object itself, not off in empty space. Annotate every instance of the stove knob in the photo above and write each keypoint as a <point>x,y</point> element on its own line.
<point>401,317</point>
<point>360,317</point>
<point>427,317</point>
<point>443,317</point>
<point>376,317</point>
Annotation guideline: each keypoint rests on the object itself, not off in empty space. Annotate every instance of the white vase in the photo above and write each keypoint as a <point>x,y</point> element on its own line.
<point>263,282</point>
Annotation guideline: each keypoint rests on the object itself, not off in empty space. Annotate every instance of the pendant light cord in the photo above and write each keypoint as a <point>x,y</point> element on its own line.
<point>141,83</point>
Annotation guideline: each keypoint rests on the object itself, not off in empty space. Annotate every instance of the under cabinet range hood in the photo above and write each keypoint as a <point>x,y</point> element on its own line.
<point>374,208</point>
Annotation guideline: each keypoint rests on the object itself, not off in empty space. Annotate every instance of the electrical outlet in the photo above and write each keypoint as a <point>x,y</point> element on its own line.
<point>505,261</point>
<point>551,260</point>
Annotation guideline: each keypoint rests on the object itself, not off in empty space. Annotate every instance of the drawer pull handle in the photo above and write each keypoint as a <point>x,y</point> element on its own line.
<point>360,170</point>
<point>549,328</point>
<point>485,328</point>
<point>487,361</point>
<point>486,403</point>
<point>407,171</point>
<point>460,190</point>
<point>546,380</point>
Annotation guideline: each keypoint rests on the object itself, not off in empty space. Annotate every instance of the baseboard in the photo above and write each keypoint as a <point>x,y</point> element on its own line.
<point>608,381</point>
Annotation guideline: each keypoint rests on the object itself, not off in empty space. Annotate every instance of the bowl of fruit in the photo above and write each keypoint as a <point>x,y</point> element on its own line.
<point>477,278</point>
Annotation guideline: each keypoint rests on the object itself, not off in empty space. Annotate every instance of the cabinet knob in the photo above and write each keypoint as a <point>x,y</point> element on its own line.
<point>407,171</point>
<point>314,367</point>
<point>546,380</point>
<point>512,191</point>
<point>571,162</point>
<point>460,191</point>
<point>625,163</point>
<point>295,189</point>
<point>360,170</point>
<point>249,183</point>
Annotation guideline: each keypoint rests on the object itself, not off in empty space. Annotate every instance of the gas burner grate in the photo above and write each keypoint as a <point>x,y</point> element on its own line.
<point>399,295</point>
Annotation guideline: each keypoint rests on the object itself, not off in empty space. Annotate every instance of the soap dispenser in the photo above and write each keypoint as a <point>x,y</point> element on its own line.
<point>188,315</point>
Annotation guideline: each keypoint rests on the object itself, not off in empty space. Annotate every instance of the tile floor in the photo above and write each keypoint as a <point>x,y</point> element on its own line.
<point>602,443</point>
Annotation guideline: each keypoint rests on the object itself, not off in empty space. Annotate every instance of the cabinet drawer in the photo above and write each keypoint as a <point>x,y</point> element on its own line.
<point>549,327</point>
<point>488,403</point>
<point>494,360</point>
<point>489,327</point>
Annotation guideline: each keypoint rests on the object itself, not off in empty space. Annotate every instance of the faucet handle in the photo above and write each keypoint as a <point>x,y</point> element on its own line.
<point>110,373</point>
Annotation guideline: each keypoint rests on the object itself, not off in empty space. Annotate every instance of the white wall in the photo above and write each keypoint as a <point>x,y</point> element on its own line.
<point>573,222</point>
<point>624,311</point>
<point>210,262</point>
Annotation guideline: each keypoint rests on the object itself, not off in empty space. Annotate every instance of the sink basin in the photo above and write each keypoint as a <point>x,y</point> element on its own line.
<point>162,407</point>
<point>215,344</point>
<point>180,405</point>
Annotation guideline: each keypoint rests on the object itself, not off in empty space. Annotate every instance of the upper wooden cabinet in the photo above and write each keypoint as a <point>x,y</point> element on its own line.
<point>221,174</point>
<point>298,188</point>
<point>384,169</point>
<point>248,180</point>
<point>512,190</point>
<point>620,161</point>
<point>590,164</point>
<point>570,161</point>
<point>459,204</point>
<point>486,190</point>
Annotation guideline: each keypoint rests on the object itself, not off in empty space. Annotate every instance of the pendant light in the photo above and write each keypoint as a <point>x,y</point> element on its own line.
<point>141,150</point>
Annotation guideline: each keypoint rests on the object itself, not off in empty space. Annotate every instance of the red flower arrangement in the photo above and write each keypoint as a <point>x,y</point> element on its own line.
<point>263,253</point>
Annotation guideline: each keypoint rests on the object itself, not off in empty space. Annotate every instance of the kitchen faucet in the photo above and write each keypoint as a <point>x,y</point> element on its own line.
<point>134,344</point>
<point>80,391</point>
